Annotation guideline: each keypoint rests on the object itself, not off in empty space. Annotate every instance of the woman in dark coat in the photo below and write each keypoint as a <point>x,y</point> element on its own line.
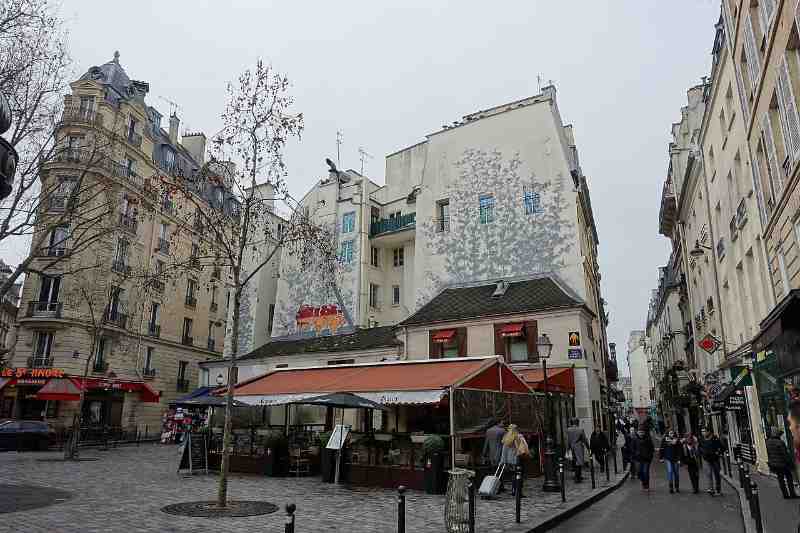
<point>671,453</point>
<point>691,457</point>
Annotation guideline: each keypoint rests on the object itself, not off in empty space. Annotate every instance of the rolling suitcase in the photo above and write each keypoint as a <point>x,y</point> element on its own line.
<point>491,484</point>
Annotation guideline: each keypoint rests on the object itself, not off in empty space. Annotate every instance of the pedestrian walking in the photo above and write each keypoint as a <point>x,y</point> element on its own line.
<point>794,428</point>
<point>645,449</point>
<point>780,463</point>
<point>493,446</point>
<point>691,458</point>
<point>598,444</point>
<point>632,452</point>
<point>710,451</point>
<point>515,448</point>
<point>671,454</point>
<point>576,445</point>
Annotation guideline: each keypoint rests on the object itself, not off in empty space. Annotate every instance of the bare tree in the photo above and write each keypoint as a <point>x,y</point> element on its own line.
<point>35,67</point>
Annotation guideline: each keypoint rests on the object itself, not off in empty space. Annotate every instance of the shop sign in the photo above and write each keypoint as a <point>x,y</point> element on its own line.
<point>43,373</point>
<point>736,401</point>
<point>709,343</point>
<point>575,353</point>
<point>574,338</point>
<point>28,381</point>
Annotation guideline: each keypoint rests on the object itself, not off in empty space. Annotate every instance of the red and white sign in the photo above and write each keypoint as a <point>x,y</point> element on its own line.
<point>709,343</point>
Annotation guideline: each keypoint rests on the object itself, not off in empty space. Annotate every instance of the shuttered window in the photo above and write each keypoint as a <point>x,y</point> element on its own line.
<point>742,97</point>
<point>751,53</point>
<point>728,20</point>
<point>766,10</point>
<point>773,168</point>
<point>788,109</point>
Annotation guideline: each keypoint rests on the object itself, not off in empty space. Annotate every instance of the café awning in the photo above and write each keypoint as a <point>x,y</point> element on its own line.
<point>69,388</point>
<point>66,389</point>
<point>444,335</point>
<point>512,330</point>
<point>558,379</point>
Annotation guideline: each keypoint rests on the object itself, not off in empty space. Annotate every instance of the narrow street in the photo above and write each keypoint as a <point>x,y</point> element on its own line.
<point>629,509</point>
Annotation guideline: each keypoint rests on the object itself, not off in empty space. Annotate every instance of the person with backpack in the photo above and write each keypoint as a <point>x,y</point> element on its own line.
<point>671,453</point>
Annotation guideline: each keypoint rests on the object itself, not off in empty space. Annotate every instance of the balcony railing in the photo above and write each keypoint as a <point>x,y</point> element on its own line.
<point>211,344</point>
<point>387,225</point>
<point>191,301</point>
<point>182,385</point>
<point>163,246</point>
<point>45,309</point>
<point>116,318</point>
<point>213,307</point>
<point>128,222</point>
<point>154,330</point>
<point>52,251</point>
<point>135,139</point>
<point>120,266</point>
<point>100,366</point>
<point>442,225</point>
<point>187,341</point>
<point>57,202</point>
<point>148,373</point>
<point>77,115</point>
<point>118,170</point>
<point>40,361</point>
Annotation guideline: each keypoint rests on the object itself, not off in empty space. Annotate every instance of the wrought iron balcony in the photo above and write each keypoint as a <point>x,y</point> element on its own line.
<point>45,309</point>
<point>388,225</point>
<point>442,225</point>
<point>154,330</point>
<point>56,202</point>
<point>120,266</point>
<point>128,222</point>
<point>52,251</point>
<point>40,361</point>
<point>211,344</point>
<point>182,385</point>
<point>187,341</point>
<point>116,318</point>
<point>149,372</point>
<point>78,115</point>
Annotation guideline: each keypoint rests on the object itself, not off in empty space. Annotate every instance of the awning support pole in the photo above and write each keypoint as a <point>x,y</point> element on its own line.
<point>452,430</point>
<point>286,420</point>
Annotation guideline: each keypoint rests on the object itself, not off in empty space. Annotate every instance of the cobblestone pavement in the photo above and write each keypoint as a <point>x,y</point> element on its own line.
<point>630,509</point>
<point>126,489</point>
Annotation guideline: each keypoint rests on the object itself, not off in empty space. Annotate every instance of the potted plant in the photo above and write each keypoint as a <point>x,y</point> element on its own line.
<point>276,449</point>
<point>433,452</point>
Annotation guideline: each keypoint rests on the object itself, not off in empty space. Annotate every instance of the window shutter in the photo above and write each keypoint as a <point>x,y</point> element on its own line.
<point>751,52</point>
<point>434,349</point>
<point>729,29</point>
<point>788,108</point>
<point>531,337</point>
<point>743,102</point>
<point>461,338</point>
<point>776,172</point>
<point>499,342</point>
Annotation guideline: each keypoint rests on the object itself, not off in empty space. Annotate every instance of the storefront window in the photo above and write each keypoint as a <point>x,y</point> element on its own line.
<point>517,349</point>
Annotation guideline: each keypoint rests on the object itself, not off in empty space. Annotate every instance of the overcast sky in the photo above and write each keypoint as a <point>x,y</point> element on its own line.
<point>386,76</point>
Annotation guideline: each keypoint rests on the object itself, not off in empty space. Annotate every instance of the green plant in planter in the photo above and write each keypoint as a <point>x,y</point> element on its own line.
<point>433,445</point>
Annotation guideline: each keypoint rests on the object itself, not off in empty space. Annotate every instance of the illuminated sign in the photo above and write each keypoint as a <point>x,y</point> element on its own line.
<point>41,373</point>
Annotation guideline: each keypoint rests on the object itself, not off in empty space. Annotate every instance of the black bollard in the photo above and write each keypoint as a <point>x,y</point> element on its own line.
<point>290,509</point>
<point>561,478</point>
<point>616,468</point>
<point>518,493</point>
<point>591,471</point>
<point>756,507</point>
<point>740,468</point>
<point>608,474</point>
<point>747,489</point>
<point>401,509</point>
<point>471,493</point>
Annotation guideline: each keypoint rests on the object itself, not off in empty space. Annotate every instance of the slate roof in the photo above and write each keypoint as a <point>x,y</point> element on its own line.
<point>360,339</point>
<point>461,303</point>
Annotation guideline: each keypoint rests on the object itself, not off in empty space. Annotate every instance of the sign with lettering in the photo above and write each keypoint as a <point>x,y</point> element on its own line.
<point>575,353</point>
<point>42,373</point>
<point>736,401</point>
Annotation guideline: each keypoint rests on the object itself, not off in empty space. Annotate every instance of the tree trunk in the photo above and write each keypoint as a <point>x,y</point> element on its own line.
<point>222,494</point>
<point>71,447</point>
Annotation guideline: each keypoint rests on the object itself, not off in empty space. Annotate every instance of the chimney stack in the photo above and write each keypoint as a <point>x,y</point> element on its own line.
<point>174,123</point>
<point>195,143</point>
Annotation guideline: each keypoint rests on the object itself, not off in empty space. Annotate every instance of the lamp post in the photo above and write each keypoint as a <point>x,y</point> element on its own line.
<point>220,379</point>
<point>551,483</point>
<point>8,155</point>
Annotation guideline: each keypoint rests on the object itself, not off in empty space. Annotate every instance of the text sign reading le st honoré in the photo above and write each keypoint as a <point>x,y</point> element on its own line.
<point>31,373</point>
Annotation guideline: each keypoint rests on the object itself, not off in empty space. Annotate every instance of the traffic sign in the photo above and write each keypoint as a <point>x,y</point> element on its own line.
<point>709,343</point>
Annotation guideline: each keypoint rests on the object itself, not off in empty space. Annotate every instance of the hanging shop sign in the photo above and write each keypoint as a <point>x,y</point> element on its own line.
<point>736,401</point>
<point>41,373</point>
<point>709,343</point>
<point>574,339</point>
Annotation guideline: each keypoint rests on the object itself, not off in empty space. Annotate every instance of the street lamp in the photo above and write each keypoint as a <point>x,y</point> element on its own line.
<point>220,379</point>
<point>699,250</point>
<point>551,483</point>
<point>8,156</point>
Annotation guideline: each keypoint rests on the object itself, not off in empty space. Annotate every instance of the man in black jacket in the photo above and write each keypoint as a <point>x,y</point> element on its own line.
<point>780,463</point>
<point>711,450</point>
<point>645,449</point>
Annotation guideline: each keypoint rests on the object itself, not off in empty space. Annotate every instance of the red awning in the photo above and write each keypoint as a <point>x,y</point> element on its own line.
<point>66,390</point>
<point>512,330</point>
<point>444,335</point>
<point>558,379</point>
<point>4,382</point>
<point>147,394</point>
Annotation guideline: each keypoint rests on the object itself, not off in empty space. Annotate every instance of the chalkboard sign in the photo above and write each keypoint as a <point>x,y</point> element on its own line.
<point>193,454</point>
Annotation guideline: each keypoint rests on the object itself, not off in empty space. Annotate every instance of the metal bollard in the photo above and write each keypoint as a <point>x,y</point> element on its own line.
<point>591,471</point>
<point>518,493</point>
<point>747,489</point>
<point>401,509</point>
<point>145,432</point>
<point>290,509</point>
<point>561,478</point>
<point>756,507</point>
<point>608,474</point>
<point>740,468</point>
<point>471,493</point>
<point>616,469</point>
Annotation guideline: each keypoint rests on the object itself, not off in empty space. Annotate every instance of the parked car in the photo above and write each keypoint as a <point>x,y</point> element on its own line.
<point>25,435</point>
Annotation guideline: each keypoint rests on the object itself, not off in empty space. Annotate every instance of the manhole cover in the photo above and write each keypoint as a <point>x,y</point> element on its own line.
<point>209,509</point>
<point>14,498</point>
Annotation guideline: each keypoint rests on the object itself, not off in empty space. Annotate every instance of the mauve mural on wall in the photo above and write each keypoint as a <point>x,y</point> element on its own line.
<point>501,224</point>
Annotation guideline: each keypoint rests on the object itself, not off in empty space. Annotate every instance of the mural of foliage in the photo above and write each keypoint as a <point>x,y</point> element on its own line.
<point>513,243</point>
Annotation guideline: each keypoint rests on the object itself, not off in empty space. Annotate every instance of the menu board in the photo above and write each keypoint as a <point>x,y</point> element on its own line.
<point>338,437</point>
<point>193,454</point>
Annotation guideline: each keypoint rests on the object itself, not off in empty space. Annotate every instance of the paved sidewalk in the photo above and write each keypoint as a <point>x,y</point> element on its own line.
<point>779,515</point>
<point>126,489</point>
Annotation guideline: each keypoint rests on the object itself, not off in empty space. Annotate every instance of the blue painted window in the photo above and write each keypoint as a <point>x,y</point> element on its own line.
<point>486,204</point>
<point>347,252</point>
<point>349,222</point>
<point>532,201</point>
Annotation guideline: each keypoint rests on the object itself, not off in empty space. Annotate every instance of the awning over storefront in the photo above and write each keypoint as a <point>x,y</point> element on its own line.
<point>558,379</point>
<point>512,330</point>
<point>387,383</point>
<point>445,335</point>
<point>69,388</point>
<point>197,393</point>
<point>66,390</point>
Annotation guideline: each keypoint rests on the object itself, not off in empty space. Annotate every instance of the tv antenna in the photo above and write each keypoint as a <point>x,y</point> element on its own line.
<point>339,140</point>
<point>539,82</point>
<point>364,156</point>
<point>173,106</point>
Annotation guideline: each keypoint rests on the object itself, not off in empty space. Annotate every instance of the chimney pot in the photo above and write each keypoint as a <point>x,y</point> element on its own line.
<point>174,124</point>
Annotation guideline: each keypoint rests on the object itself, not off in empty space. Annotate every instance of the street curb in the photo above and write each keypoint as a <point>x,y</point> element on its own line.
<point>553,521</point>
<point>744,505</point>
